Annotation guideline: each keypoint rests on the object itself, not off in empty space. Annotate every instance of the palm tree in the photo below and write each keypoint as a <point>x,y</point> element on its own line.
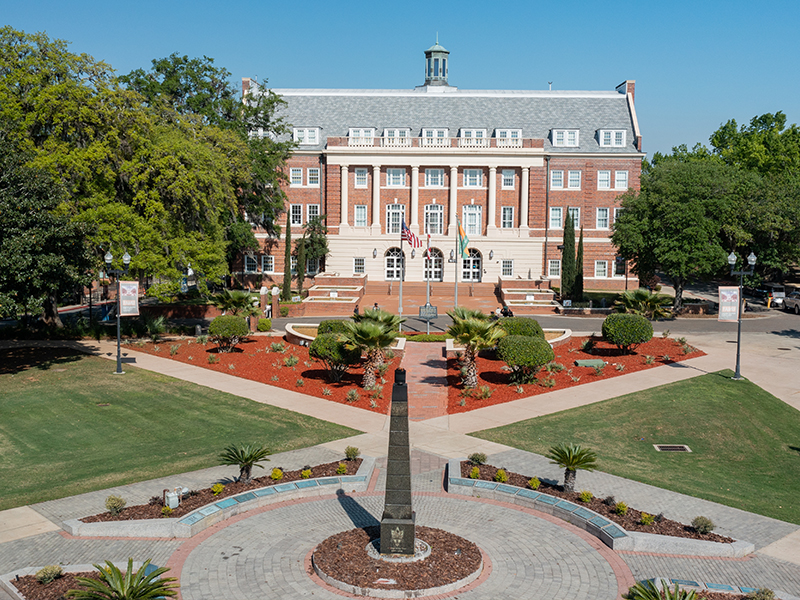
<point>370,338</point>
<point>382,317</point>
<point>244,457</point>
<point>644,302</point>
<point>571,458</point>
<point>474,332</point>
<point>234,302</point>
<point>132,585</point>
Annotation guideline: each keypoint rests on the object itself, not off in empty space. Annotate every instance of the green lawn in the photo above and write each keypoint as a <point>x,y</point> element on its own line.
<point>68,426</point>
<point>745,442</point>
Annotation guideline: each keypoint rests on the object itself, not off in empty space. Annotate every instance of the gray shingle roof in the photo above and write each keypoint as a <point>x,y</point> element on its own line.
<point>535,113</point>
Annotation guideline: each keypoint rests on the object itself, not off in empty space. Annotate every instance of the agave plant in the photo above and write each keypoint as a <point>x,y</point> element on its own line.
<point>474,332</point>
<point>648,590</point>
<point>245,457</point>
<point>370,338</point>
<point>571,458</point>
<point>131,585</point>
<point>644,302</point>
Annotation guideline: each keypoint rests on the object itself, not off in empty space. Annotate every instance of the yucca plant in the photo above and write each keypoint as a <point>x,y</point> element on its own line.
<point>571,457</point>
<point>647,590</point>
<point>474,333</point>
<point>131,585</point>
<point>644,302</point>
<point>370,338</point>
<point>245,457</point>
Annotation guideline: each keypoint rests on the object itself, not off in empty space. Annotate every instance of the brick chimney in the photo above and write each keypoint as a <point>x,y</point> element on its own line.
<point>627,87</point>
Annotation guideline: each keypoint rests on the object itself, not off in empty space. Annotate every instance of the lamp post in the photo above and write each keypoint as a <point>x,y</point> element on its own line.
<point>751,260</point>
<point>126,261</point>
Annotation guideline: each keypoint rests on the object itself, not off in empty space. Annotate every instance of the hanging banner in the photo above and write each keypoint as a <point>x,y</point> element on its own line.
<point>128,298</point>
<point>728,304</point>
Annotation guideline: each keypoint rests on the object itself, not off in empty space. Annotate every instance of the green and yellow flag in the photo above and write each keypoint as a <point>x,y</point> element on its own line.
<point>463,240</point>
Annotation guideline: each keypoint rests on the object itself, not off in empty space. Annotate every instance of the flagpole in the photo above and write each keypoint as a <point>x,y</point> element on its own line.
<point>428,289</point>
<point>402,276</point>
<point>458,255</point>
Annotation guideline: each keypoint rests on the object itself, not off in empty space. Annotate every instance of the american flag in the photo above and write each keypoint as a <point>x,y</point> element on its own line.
<point>405,233</point>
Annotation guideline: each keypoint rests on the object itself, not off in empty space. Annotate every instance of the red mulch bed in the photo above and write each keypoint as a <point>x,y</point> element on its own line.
<point>629,521</point>
<point>199,498</point>
<point>491,373</point>
<point>55,590</point>
<point>344,557</point>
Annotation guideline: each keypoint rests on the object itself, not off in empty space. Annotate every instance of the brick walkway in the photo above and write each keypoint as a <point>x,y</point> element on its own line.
<point>426,376</point>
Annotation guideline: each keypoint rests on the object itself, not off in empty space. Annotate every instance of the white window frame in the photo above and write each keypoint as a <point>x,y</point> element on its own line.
<point>306,136</point>
<point>576,216</point>
<point>357,218</point>
<point>359,265</point>
<point>394,137</point>
<point>557,179</point>
<point>435,137</point>
<point>554,268</point>
<point>506,217</point>
<point>434,178</point>
<point>620,180</point>
<point>395,210</point>
<point>476,134</point>
<point>267,263</point>
<point>250,264</point>
<point>361,179</point>
<point>395,177</point>
<point>601,269</point>
<point>361,136</point>
<point>312,266</point>
<point>612,138</point>
<point>434,226</point>
<point>296,214</point>
<point>566,138</point>
<point>604,180</point>
<point>507,179</point>
<point>507,267</point>
<point>312,177</point>
<point>556,217</point>
<point>602,219</point>
<point>293,265</point>
<point>296,177</point>
<point>617,212</point>
<point>312,210</point>
<point>473,178</point>
<point>472,226</point>
<point>573,179</point>
<point>509,138</point>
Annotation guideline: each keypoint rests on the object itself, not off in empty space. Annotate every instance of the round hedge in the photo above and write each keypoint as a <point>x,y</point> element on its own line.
<point>626,331</point>
<point>521,326</point>
<point>334,354</point>
<point>227,331</point>
<point>264,324</point>
<point>331,326</point>
<point>525,355</point>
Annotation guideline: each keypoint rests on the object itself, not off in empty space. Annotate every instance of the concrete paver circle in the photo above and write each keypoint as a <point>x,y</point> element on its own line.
<point>263,556</point>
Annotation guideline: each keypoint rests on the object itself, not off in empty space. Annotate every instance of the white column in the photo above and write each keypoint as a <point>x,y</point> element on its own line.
<point>343,219</point>
<point>492,209</point>
<point>451,228</point>
<point>376,199</point>
<point>414,224</point>
<point>523,198</point>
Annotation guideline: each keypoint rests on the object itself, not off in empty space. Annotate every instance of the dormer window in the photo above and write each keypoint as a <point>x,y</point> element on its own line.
<point>473,138</point>
<point>566,137</point>
<point>396,137</point>
<point>509,138</point>
<point>612,138</point>
<point>435,137</point>
<point>306,136</point>
<point>363,136</point>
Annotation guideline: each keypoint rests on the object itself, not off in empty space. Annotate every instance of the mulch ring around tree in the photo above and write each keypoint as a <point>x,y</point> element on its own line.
<point>31,589</point>
<point>199,498</point>
<point>630,521</point>
<point>344,557</point>
<point>494,378</point>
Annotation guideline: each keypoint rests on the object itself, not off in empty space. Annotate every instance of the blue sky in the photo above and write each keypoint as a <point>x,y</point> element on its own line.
<point>696,64</point>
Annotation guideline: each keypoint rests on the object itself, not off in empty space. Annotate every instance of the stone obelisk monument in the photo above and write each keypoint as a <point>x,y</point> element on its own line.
<point>397,523</point>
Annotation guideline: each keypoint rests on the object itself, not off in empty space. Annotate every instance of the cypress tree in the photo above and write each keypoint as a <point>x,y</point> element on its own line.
<point>577,288</point>
<point>286,291</point>
<point>568,259</point>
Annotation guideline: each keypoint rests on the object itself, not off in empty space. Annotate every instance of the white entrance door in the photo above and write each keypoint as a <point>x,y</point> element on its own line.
<point>472,268</point>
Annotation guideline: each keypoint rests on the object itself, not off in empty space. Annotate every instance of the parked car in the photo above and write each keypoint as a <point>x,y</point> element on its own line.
<point>777,292</point>
<point>792,302</point>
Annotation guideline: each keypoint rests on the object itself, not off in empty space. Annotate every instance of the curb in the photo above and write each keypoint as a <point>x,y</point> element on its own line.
<point>686,584</point>
<point>10,589</point>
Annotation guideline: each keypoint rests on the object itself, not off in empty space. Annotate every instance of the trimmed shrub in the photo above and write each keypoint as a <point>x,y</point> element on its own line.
<point>331,326</point>
<point>521,326</point>
<point>264,324</point>
<point>227,331</point>
<point>115,504</point>
<point>49,573</point>
<point>626,331</point>
<point>525,355</point>
<point>702,524</point>
<point>534,483</point>
<point>334,354</point>
<point>501,476</point>
<point>477,458</point>
<point>352,453</point>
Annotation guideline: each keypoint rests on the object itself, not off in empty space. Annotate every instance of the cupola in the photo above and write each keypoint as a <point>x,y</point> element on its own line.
<point>436,64</point>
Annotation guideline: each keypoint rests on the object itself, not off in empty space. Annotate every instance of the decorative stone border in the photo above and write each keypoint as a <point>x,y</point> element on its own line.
<point>611,534</point>
<point>450,348</point>
<point>206,516</point>
<point>687,584</point>
<point>11,590</point>
<point>301,339</point>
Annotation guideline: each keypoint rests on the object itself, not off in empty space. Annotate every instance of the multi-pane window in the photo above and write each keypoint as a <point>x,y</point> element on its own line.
<point>619,267</point>
<point>313,177</point>
<point>250,263</point>
<point>601,268</point>
<point>507,181</point>
<point>307,136</point>
<point>434,219</point>
<point>293,265</point>
<point>602,218</point>
<point>434,177</point>
<point>473,177</point>
<point>617,213</point>
<point>396,137</point>
<point>565,137</point>
<point>554,268</point>
<point>296,177</point>
<point>556,217</point>
<point>509,137</point>
<point>359,264</point>
<point>574,180</point>
<point>394,260</point>
<point>360,215</point>
<point>434,266</point>
<point>621,180</point>
<point>556,180</point>
<point>361,178</point>
<point>472,219</point>
<point>296,214</point>
<point>612,137</point>
<point>395,213</point>
<point>312,211</point>
<point>575,213</point>
<point>604,180</point>
<point>476,134</point>
<point>395,177</point>
<point>362,136</point>
<point>507,268</point>
<point>268,263</point>
<point>312,266</point>
<point>507,217</point>
<point>435,137</point>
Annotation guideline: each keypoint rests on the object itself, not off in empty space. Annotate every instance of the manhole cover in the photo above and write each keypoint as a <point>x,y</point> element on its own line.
<point>671,448</point>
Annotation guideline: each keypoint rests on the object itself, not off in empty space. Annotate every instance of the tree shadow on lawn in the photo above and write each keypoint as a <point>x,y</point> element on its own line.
<point>18,360</point>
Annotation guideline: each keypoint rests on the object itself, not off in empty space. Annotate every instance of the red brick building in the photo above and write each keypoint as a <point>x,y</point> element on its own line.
<point>507,164</point>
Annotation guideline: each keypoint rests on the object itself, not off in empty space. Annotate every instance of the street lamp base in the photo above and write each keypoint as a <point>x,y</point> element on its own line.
<point>118,373</point>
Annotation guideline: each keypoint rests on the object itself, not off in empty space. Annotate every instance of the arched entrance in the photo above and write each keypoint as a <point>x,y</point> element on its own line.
<point>434,266</point>
<point>472,268</point>
<point>394,261</point>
